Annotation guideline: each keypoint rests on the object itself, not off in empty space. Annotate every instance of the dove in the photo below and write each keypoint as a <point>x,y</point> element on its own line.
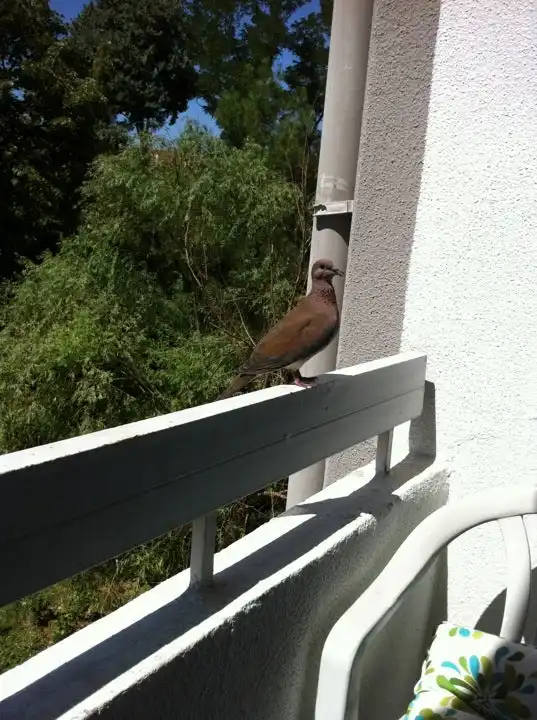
<point>306,330</point>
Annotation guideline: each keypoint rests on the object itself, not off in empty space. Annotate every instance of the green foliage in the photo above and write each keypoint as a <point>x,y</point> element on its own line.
<point>53,122</point>
<point>66,93</point>
<point>236,33</point>
<point>251,96</point>
<point>136,50</point>
<point>183,250</point>
<point>239,56</point>
<point>308,41</point>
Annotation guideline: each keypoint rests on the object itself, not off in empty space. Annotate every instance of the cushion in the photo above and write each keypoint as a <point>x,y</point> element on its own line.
<point>469,674</point>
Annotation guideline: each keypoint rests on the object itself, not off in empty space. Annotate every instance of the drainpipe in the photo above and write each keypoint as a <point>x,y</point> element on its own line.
<point>336,175</point>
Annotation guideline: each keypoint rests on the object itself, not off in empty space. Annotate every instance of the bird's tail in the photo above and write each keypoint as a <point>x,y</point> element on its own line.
<point>238,383</point>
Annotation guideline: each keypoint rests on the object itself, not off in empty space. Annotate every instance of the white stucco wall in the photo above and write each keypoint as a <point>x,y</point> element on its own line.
<point>248,648</point>
<point>443,254</point>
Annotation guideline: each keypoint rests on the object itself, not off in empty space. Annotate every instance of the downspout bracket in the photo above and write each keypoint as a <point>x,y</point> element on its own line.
<point>337,207</point>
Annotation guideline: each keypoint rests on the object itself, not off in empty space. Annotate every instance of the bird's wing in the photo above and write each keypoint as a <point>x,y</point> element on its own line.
<point>305,330</point>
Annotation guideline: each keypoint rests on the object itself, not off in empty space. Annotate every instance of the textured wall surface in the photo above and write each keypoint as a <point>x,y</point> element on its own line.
<point>443,255</point>
<point>249,647</point>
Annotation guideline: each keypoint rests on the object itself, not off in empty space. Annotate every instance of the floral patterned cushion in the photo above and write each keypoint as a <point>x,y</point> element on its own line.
<point>469,674</point>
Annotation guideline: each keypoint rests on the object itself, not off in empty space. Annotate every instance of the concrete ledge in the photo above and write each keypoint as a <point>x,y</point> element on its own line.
<point>249,646</point>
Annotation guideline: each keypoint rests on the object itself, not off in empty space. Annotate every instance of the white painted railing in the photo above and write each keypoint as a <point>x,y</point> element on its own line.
<point>76,503</point>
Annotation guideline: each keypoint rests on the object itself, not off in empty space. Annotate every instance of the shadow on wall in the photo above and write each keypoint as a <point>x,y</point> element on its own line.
<point>392,147</point>
<point>491,619</point>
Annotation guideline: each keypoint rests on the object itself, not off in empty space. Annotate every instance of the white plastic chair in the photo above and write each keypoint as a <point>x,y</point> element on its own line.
<point>338,691</point>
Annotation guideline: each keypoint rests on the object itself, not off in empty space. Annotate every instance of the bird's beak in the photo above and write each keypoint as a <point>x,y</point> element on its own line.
<point>339,272</point>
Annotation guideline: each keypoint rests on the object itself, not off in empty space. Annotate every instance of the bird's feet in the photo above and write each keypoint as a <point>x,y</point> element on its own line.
<point>304,382</point>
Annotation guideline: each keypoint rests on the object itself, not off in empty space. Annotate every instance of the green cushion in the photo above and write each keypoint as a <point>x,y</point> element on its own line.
<point>469,674</point>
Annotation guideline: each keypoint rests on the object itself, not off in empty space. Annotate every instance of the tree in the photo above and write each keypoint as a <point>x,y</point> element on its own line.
<point>136,51</point>
<point>243,40</point>
<point>184,252</point>
<point>61,91</point>
<point>250,93</point>
<point>26,33</point>
<point>236,33</point>
<point>53,122</point>
<point>308,43</point>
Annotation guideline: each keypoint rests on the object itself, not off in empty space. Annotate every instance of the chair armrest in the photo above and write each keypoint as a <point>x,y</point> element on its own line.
<point>343,651</point>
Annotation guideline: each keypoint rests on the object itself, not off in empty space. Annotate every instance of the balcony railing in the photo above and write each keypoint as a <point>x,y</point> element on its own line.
<point>76,503</point>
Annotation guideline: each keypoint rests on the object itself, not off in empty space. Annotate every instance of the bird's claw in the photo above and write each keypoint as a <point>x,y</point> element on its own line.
<point>305,382</point>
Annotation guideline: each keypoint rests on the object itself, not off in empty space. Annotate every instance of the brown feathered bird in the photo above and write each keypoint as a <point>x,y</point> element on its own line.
<point>306,330</point>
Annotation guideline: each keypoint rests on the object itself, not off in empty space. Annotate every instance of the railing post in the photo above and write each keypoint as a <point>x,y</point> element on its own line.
<point>384,452</point>
<point>202,550</point>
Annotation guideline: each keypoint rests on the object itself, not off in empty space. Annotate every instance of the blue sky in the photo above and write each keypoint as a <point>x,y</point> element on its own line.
<point>71,8</point>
